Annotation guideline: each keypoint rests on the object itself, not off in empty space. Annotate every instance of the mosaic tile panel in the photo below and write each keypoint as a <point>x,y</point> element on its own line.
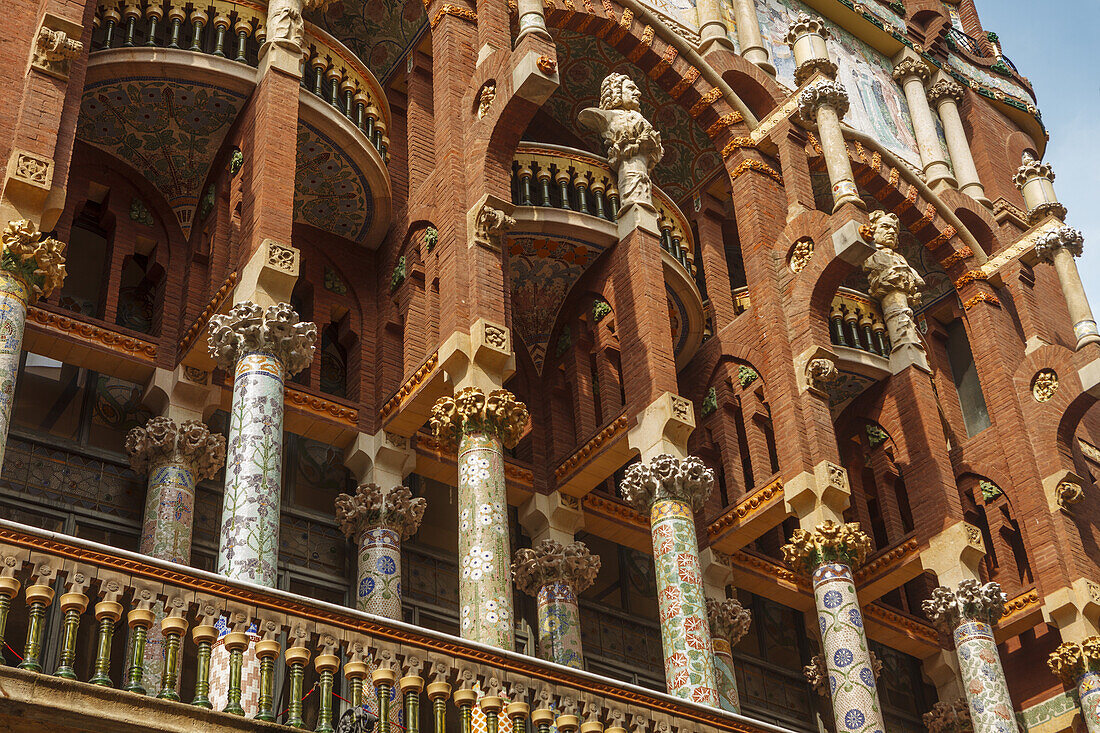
<point>250,671</point>
<point>485,585</point>
<point>983,678</point>
<point>169,513</point>
<point>379,32</point>
<point>378,588</point>
<point>249,545</point>
<point>14,296</point>
<point>330,191</point>
<point>685,630</point>
<point>1088,689</point>
<point>844,647</point>
<point>560,625</point>
<point>725,675</point>
<point>1057,711</point>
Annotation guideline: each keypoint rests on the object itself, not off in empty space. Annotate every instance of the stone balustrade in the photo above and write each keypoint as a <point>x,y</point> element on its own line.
<point>575,180</point>
<point>115,586</point>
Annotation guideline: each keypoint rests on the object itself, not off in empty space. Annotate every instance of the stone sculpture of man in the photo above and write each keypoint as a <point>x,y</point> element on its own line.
<point>284,22</point>
<point>896,285</point>
<point>633,146</point>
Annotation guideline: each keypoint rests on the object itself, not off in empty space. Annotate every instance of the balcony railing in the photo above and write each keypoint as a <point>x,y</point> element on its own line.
<point>38,564</point>
<point>855,321</point>
<point>971,45</point>
<point>575,180</point>
<point>236,31</point>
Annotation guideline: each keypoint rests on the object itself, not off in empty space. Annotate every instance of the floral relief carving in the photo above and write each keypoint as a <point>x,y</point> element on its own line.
<point>667,477</point>
<point>945,89</point>
<point>821,93</point>
<point>54,51</point>
<point>729,620</point>
<point>1044,384</point>
<point>949,717</point>
<point>32,169</point>
<point>372,506</point>
<point>283,258</point>
<point>39,261</point>
<point>552,562</point>
<point>496,336</point>
<point>250,329</point>
<point>801,253</point>
<point>473,411</point>
<point>972,601</point>
<point>827,543</point>
<point>485,99</point>
<point>1049,242</point>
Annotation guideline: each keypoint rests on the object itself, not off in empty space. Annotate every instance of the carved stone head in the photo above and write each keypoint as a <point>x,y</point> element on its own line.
<point>885,226</point>
<point>618,91</point>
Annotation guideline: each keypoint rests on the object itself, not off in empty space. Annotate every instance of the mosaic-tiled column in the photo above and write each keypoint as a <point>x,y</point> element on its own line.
<point>968,615</point>
<point>1059,247</point>
<point>729,622</point>
<point>482,425</point>
<point>555,574</point>
<point>261,348</point>
<point>1078,666</point>
<point>828,554</point>
<point>671,491</point>
<point>31,267</point>
<point>378,522</point>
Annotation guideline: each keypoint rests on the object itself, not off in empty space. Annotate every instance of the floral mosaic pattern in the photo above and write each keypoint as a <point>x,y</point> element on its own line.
<point>1088,689</point>
<point>379,585</point>
<point>560,625</point>
<point>14,296</point>
<point>485,588</point>
<point>379,32</point>
<point>167,130</point>
<point>878,106</point>
<point>690,159</point>
<point>844,646</point>
<point>685,630</point>
<point>983,678</point>
<point>330,191</point>
<point>725,675</point>
<point>249,543</point>
<point>169,513</point>
<point>542,270</point>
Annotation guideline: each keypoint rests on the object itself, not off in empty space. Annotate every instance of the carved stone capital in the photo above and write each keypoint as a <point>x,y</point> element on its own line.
<point>490,225</point>
<point>945,89</point>
<point>828,542</point>
<point>972,601</point>
<point>372,506</point>
<point>249,329</point>
<point>1031,168</point>
<point>38,261</point>
<point>821,93</point>
<point>729,620</point>
<point>161,441</point>
<point>553,562</point>
<point>1071,660</point>
<point>949,717</point>
<point>473,411</point>
<point>1047,243</point>
<point>805,23</point>
<point>910,67</point>
<point>667,477</point>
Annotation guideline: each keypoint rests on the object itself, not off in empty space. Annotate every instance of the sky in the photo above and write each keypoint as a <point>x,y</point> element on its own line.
<point>1050,43</point>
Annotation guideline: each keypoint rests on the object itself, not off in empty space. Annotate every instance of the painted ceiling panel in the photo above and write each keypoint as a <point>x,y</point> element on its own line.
<point>330,190</point>
<point>379,32</point>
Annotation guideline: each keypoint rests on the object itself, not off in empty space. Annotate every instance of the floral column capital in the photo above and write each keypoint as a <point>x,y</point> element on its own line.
<point>667,477</point>
<point>1030,167</point>
<point>819,94</point>
<point>161,441</point>
<point>828,542</point>
<point>729,620</point>
<point>949,717</point>
<point>553,562</point>
<point>972,601</point>
<point>371,506</point>
<point>473,411</point>
<point>249,328</point>
<point>1049,242</point>
<point>1072,659</point>
<point>910,67</point>
<point>945,89</point>
<point>38,261</point>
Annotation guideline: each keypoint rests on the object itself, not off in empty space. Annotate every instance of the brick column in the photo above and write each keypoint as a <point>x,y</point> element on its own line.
<point>968,615</point>
<point>481,425</point>
<point>378,522</point>
<point>672,490</point>
<point>729,623</point>
<point>32,267</point>
<point>829,554</point>
<point>1078,666</point>
<point>554,574</point>
<point>261,348</point>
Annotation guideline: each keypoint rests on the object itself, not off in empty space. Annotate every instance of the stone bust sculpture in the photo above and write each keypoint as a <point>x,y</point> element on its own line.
<point>633,146</point>
<point>284,22</point>
<point>887,269</point>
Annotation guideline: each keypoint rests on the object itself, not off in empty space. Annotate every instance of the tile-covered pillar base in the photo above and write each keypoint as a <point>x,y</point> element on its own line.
<point>480,425</point>
<point>671,491</point>
<point>378,521</point>
<point>1078,666</point>
<point>828,554</point>
<point>14,296</point>
<point>555,574</point>
<point>968,615</point>
<point>729,622</point>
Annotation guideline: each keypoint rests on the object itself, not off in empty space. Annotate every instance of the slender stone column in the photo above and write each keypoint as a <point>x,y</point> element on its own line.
<point>1078,666</point>
<point>824,104</point>
<point>1035,180</point>
<point>1059,247</point>
<point>378,522</point>
<point>968,615</point>
<point>752,43</point>
<point>806,37</point>
<point>829,554</point>
<point>729,622</point>
<point>175,458</point>
<point>671,491</point>
<point>531,19</point>
<point>481,425</point>
<point>32,266</point>
<point>912,73</point>
<point>896,285</point>
<point>946,94</point>
<point>555,574</point>
<point>261,348</point>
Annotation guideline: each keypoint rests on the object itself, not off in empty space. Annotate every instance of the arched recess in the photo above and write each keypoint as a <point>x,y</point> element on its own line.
<point>987,506</point>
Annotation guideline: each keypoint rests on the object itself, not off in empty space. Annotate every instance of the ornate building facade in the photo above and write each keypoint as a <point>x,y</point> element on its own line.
<point>499,366</point>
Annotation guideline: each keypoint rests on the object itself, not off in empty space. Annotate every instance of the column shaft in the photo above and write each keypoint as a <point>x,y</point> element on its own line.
<point>379,586</point>
<point>560,625</point>
<point>685,637</point>
<point>1088,691</point>
<point>484,588</point>
<point>725,675</point>
<point>250,514</point>
<point>841,178</point>
<point>966,173</point>
<point>924,127</point>
<point>1084,325</point>
<point>748,34</point>
<point>983,678</point>
<point>169,506</point>
<point>844,648</point>
<point>14,296</point>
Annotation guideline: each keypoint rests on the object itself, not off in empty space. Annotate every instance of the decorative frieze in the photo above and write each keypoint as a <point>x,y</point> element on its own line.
<point>667,478</point>
<point>472,411</point>
<point>827,543</point>
<point>39,261</point>
<point>373,506</point>
<point>250,329</point>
